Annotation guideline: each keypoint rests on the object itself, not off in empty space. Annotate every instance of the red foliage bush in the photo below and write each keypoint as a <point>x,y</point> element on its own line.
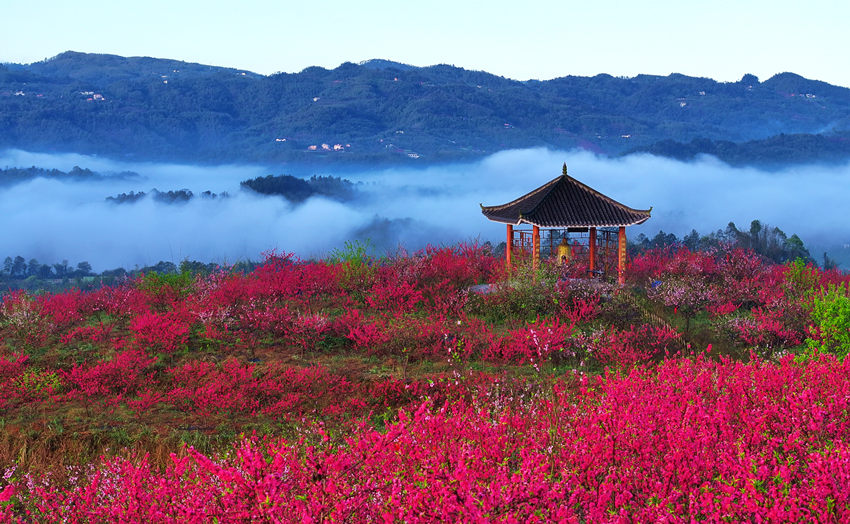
<point>636,345</point>
<point>160,332</point>
<point>534,344</point>
<point>768,329</point>
<point>126,372</point>
<point>393,296</point>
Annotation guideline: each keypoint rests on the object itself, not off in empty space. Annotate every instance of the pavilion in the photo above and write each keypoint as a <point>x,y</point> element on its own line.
<point>566,207</point>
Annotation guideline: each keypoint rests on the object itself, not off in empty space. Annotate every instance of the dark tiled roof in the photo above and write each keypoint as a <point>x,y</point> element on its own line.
<point>566,202</point>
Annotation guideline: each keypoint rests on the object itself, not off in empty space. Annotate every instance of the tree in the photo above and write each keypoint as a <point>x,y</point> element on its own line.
<point>750,80</point>
<point>44,271</point>
<point>795,249</point>
<point>61,269</point>
<point>755,242</point>
<point>828,262</point>
<point>19,267</point>
<point>193,266</point>
<point>84,269</point>
<point>163,267</point>
<point>32,267</point>
<point>117,272</point>
<point>733,234</point>
<point>687,294</point>
<point>692,240</point>
<point>664,239</point>
<point>770,242</point>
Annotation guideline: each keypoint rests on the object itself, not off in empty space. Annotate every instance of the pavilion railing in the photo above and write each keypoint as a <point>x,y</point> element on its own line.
<point>579,242</point>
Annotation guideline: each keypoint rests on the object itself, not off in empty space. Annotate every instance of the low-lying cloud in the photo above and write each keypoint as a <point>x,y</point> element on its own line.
<point>53,220</point>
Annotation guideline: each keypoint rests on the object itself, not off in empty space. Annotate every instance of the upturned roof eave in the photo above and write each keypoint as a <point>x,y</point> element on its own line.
<point>531,222</point>
<point>545,187</point>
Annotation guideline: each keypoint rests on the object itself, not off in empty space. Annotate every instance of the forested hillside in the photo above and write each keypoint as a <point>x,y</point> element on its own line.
<point>380,111</point>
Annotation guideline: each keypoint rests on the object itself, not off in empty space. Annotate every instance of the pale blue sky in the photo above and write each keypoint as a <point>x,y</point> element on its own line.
<point>721,39</point>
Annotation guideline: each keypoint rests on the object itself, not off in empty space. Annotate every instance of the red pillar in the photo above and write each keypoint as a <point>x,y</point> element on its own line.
<point>621,237</point>
<point>592,247</point>
<point>510,246</point>
<point>535,254</point>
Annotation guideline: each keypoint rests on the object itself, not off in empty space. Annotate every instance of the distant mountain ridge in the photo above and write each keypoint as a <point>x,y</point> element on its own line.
<point>381,111</point>
<point>96,67</point>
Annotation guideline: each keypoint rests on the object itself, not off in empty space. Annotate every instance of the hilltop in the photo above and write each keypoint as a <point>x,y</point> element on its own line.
<point>380,111</point>
<point>714,383</point>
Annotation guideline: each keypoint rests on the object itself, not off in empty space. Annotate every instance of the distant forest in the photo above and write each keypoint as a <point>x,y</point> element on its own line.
<point>167,197</point>
<point>768,241</point>
<point>290,187</point>
<point>384,112</point>
<point>32,275</point>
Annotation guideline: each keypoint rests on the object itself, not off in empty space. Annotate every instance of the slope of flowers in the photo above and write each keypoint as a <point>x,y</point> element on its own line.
<point>756,305</point>
<point>693,439</point>
<point>387,390</point>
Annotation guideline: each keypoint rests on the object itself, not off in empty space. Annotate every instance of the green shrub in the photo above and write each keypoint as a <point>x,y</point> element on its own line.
<point>802,279</point>
<point>167,284</point>
<point>830,322</point>
<point>356,265</point>
<point>40,384</point>
<point>528,293</point>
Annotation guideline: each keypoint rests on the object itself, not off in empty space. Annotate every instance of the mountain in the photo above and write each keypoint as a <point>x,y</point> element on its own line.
<point>382,111</point>
<point>776,151</point>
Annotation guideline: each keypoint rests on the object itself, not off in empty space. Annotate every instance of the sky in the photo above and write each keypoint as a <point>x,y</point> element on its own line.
<point>719,39</point>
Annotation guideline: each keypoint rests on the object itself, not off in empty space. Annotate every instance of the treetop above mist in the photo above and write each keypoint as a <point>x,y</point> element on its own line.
<point>294,189</point>
<point>297,189</point>
<point>381,111</point>
<point>178,196</point>
<point>16,175</point>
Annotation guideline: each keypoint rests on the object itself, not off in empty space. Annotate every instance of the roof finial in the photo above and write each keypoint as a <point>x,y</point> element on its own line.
<point>565,169</point>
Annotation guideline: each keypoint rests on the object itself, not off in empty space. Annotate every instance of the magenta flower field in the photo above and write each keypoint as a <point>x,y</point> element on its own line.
<point>713,386</point>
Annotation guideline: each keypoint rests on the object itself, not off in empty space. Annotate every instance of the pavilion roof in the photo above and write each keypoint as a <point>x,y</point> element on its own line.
<point>565,202</point>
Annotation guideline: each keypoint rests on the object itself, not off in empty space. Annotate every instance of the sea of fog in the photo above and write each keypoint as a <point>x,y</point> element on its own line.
<point>53,220</point>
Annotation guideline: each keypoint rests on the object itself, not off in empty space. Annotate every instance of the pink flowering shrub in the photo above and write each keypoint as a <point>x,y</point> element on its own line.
<point>369,334</point>
<point>638,344</point>
<point>124,373</point>
<point>393,296</point>
<point>94,334</point>
<point>742,274</point>
<point>768,329</point>
<point>686,295</point>
<point>580,310</point>
<point>160,332</point>
<point>12,370</point>
<point>63,309</point>
<point>536,343</point>
<point>22,321</point>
